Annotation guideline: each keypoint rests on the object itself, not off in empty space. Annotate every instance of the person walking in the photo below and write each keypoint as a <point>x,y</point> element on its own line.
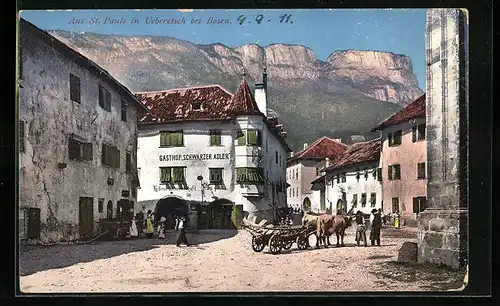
<point>361,228</point>
<point>180,223</point>
<point>375,228</point>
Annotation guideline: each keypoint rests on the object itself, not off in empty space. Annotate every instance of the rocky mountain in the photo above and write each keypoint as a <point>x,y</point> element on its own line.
<point>347,94</point>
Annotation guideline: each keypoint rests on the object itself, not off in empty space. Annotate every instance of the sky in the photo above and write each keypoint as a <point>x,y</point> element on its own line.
<point>401,31</point>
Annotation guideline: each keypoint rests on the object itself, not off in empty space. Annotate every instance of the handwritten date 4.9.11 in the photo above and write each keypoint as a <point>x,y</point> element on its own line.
<point>260,18</point>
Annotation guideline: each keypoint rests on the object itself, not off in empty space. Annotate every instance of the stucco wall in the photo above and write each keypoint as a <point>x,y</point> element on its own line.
<point>408,154</point>
<point>197,141</point>
<point>352,186</point>
<point>50,117</point>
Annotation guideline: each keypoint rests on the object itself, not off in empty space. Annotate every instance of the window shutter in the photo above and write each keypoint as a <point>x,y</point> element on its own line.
<point>259,138</point>
<point>101,96</point>
<point>413,133</point>
<point>180,138</point>
<point>241,138</point>
<point>423,203</point>
<point>168,139</point>
<point>117,158</point>
<point>108,100</point>
<point>87,151</point>
<point>397,172</point>
<point>252,137</point>
<point>389,173</point>
<point>389,137</point>
<point>415,206</point>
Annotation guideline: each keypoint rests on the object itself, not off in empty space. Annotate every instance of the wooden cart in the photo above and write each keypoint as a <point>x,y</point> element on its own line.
<point>118,229</point>
<point>278,237</point>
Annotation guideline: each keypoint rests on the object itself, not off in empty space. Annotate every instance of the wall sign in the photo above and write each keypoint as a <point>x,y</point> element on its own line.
<point>203,156</point>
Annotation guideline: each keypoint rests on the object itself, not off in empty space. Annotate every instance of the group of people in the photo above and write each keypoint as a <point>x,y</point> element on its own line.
<point>375,223</point>
<point>146,225</point>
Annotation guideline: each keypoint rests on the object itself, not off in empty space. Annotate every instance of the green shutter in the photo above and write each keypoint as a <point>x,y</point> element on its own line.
<point>241,136</point>
<point>252,137</point>
<point>180,139</point>
<point>168,139</point>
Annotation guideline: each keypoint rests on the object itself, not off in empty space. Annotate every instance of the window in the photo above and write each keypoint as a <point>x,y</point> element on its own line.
<point>419,204</point>
<point>241,137</point>
<point>128,161</point>
<point>254,138</point>
<point>215,138</point>
<point>363,200</point>
<point>124,110</point>
<point>104,98</point>
<point>172,139</point>
<point>338,178</point>
<point>292,192</point>
<point>100,205</point>
<point>395,205</point>
<point>421,171</point>
<point>79,150</point>
<point>196,105</point>
<point>134,192</point>
<point>343,177</point>
<point>395,138</point>
<point>139,176</point>
<point>366,174</point>
<point>357,174</point>
<point>394,172</point>
<point>74,88</point>
<point>379,174</point>
<point>418,132</point>
<point>250,175</point>
<point>215,176</point>
<point>373,199</point>
<point>354,200</point>
<point>110,156</point>
<point>280,161</point>
<point>318,171</point>
<point>296,174</point>
<point>21,137</point>
<point>374,172</point>
<point>276,157</point>
<point>170,175</point>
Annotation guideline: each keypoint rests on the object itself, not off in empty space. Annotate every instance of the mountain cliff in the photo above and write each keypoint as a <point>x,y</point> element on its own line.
<point>349,93</point>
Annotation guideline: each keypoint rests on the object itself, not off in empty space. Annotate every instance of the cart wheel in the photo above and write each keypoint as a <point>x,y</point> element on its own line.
<point>275,244</point>
<point>120,233</point>
<point>257,244</point>
<point>287,245</point>
<point>302,242</point>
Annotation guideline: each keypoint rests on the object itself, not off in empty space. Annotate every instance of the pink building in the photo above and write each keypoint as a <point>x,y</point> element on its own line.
<point>403,160</point>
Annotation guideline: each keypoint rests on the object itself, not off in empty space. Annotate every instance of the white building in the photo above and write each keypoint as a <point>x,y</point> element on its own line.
<point>77,134</point>
<point>304,167</point>
<point>212,155</point>
<point>354,179</point>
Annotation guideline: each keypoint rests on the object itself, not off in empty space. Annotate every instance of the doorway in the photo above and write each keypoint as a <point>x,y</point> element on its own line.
<point>86,217</point>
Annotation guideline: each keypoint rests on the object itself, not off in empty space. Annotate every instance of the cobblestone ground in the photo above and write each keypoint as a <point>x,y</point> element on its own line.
<point>224,261</point>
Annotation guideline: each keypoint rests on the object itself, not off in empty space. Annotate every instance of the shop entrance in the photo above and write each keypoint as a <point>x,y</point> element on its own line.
<point>169,208</point>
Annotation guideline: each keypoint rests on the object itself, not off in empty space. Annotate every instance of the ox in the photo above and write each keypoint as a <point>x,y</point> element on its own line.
<point>340,224</point>
<point>324,229</point>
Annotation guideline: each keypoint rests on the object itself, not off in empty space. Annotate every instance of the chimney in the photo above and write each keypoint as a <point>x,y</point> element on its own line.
<point>338,139</point>
<point>291,154</point>
<point>327,162</point>
<point>261,94</point>
<point>305,146</point>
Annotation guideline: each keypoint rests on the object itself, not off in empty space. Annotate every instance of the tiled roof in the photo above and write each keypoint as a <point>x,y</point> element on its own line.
<point>80,59</point>
<point>177,104</point>
<point>243,102</point>
<point>358,153</point>
<point>415,109</point>
<point>320,149</point>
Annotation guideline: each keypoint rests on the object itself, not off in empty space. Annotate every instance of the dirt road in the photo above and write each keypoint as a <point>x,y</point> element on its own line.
<point>224,261</point>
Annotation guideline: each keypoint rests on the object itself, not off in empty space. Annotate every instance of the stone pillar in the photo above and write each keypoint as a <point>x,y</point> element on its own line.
<point>443,225</point>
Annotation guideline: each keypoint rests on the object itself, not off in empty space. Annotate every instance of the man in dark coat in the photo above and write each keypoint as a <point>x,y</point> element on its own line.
<point>361,228</point>
<point>376,226</point>
<point>180,223</point>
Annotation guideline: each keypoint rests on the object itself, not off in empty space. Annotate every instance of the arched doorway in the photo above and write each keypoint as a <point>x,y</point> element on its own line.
<point>306,205</point>
<point>170,207</point>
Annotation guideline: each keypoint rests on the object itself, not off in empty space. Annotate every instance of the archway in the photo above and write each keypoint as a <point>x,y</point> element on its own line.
<point>170,207</point>
<point>306,205</point>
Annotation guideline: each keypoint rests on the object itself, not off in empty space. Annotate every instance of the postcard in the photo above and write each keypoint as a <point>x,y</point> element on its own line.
<point>259,150</point>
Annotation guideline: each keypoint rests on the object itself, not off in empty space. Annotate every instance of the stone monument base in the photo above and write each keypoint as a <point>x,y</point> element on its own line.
<point>443,237</point>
